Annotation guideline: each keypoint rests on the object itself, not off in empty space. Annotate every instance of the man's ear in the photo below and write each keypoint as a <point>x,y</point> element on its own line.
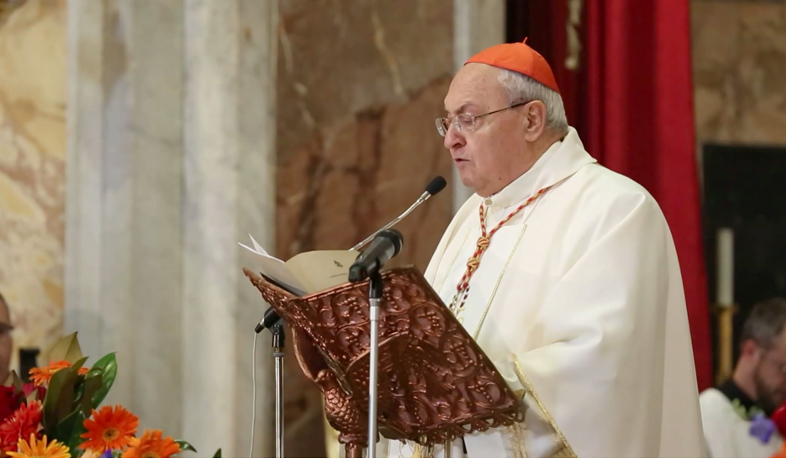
<point>535,119</point>
<point>750,349</point>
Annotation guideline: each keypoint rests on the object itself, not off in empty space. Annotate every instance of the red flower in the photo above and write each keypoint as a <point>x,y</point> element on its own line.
<point>9,401</point>
<point>28,388</point>
<point>779,418</point>
<point>24,422</point>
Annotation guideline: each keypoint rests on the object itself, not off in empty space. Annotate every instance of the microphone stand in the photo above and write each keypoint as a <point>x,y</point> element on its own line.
<point>423,197</point>
<point>277,331</point>
<point>374,299</point>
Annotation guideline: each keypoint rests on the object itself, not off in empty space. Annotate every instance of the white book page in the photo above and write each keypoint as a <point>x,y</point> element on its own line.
<point>276,269</point>
<point>321,270</point>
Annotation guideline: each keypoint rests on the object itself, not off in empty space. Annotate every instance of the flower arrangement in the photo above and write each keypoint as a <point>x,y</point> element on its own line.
<point>763,427</point>
<point>59,413</point>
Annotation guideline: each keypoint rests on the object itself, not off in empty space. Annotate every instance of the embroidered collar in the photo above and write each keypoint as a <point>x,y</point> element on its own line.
<point>560,161</point>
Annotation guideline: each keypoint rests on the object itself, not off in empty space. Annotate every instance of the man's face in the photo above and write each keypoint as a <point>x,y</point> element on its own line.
<point>6,342</point>
<point>770,375</point>
<point>489,157</point>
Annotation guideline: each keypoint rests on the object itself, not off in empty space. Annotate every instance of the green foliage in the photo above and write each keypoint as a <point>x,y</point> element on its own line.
<point>185,446</point>
<point>107,368</point>
<point>65,349</point>
<point>745,414</point>
<point>71,397</point>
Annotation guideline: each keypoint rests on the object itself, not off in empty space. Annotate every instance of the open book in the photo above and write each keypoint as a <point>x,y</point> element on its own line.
<point>305,273</point>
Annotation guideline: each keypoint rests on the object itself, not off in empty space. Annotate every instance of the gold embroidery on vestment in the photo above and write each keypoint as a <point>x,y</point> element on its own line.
<point>565,450</point>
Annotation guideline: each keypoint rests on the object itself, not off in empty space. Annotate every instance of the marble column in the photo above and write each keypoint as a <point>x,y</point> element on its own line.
<point>170,163</point>
<point>477,25</point>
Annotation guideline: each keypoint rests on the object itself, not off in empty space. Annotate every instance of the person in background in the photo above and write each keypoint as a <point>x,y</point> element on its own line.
<point>6,341</point>
<point>731,412</point>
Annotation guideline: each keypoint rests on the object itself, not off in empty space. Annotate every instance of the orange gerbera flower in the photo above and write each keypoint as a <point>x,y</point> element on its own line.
<point>24,422</point>
<point>42,375</point>
<point>151,445</point>
<point>40,449</point>
<point>109,428</point>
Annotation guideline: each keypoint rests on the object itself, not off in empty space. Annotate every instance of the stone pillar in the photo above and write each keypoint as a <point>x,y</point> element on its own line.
<point>229,193</point>
<point>171,163</point>
<point>477,24</point>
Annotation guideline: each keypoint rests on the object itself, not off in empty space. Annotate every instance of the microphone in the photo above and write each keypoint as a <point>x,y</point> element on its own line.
<point>435,185</point>
<point>269,320</point>
<point>385,246</point>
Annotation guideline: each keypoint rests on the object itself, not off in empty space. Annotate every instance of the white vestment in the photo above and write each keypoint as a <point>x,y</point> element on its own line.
<point>727,434</point>
<point>580,296</point>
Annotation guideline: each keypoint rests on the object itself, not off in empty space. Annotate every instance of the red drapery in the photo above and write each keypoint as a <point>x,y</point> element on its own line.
<point>631,99</point>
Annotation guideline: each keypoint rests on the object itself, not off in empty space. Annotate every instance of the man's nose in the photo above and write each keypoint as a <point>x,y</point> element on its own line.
<point>454,138</point>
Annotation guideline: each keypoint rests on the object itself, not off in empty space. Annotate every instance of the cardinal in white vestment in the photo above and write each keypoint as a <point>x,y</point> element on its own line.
<point>566,275</point>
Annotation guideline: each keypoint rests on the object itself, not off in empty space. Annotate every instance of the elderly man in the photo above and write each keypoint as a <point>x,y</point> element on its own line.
<point>758,386</point>
<point>566,275</point>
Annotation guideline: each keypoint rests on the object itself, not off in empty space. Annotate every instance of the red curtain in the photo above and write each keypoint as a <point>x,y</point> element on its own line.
<point>632,101</point>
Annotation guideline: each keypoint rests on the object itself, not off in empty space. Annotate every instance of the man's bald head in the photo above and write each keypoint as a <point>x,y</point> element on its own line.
<point>498,125</point>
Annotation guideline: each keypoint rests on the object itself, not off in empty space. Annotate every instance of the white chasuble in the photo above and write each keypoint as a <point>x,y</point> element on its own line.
<point>578,302</point>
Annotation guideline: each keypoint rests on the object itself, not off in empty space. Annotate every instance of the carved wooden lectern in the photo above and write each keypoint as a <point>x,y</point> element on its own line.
<point>435,383</point>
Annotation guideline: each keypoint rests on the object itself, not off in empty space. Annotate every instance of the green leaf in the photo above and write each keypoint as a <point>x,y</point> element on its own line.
<point>89,389</point>
<point>107,367</point>
<point>217,454</point>
<point>59,400</point>
<point>65,349</point>
<point>13,380</point>
<point>185,446</point>
<point>76,432</point>
<point>76,365</point>
<point>68,431</point>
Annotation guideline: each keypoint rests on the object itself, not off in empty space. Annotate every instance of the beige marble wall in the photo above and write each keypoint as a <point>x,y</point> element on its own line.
<point>359,86</point>
<point>739,64</point>
<point>32,168</point>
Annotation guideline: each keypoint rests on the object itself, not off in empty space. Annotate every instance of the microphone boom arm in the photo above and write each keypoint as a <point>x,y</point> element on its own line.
<point>424,197</point>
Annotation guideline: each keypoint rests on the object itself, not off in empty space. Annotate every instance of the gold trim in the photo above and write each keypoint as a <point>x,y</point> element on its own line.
<point>517,440</point>
<point>525,218</point>
<point>524,381</point>
<point>499,280</point>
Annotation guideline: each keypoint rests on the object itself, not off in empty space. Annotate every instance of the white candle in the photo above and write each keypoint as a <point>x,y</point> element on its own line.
<point>725,252</point>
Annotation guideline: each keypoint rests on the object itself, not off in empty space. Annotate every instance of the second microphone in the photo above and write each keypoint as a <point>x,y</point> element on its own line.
<point>386,245</point>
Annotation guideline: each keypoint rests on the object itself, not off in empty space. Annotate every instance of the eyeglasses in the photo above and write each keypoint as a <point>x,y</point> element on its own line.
<point>466,122</point>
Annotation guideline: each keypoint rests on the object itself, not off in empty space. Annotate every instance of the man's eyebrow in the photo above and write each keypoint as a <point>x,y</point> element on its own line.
<point>461,108</point>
